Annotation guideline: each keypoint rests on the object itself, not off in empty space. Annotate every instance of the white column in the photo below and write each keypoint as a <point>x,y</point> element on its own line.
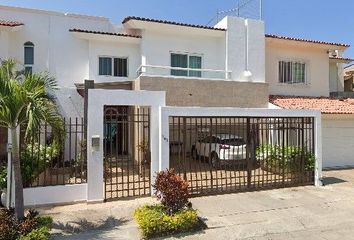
<point>95,184</point>
<point>165,141</point>
<point>318,150</point>
<point>155,135</point>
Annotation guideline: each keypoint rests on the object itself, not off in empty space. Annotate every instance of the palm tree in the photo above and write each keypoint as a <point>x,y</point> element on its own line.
<point>25,100</point>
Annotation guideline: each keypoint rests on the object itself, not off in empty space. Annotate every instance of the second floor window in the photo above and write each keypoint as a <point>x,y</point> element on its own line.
<point>292,72</point>
<point>186,61</point>
<point>113,66</point>
<point>28,56</point>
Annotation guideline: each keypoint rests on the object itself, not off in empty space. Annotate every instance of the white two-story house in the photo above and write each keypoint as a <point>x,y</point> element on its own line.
<point>232,64</point>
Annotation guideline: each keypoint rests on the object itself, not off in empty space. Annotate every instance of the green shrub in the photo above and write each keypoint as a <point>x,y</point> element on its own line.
<point>42,233</point>
<point>292,159</point>
<point>154,221</point>
<point>34,160</point>
<point>31,227</point>
<point>171,190</point>
<point>3,178</point>
<point>8,225</point>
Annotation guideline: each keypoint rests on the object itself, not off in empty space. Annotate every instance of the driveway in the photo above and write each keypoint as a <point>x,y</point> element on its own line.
<point>294,213</point>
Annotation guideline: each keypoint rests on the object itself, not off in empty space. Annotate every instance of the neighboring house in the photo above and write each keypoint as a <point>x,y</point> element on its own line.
<point>233,64</point>
<point>312,77</point>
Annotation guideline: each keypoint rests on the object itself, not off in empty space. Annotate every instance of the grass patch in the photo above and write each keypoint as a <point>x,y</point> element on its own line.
<point>155,222</point>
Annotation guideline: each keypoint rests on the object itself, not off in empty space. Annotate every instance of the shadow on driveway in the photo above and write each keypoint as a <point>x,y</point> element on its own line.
<point>332,180</point>
<point>70,229</point>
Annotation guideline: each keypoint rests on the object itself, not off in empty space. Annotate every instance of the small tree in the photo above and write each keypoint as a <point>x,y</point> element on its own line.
<point>171,190</point>
<point>25,99</point>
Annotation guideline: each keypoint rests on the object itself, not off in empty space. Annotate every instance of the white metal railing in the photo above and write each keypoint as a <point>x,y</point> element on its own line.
<point>167,71</point>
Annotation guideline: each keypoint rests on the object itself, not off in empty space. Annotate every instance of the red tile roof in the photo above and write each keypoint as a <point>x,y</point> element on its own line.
<point>306,40</point>
<point>342,58</point>
<point>127,19</point>
<point>7,23</point>
<point>103,33</point>
<point>325,104</point>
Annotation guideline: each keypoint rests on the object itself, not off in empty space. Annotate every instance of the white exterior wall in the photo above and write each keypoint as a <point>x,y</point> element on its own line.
<point>317,64</point>
<point>113,49</point>
<point>237,51</point>
<point>56,50</point>
<point>334,82</point>
<point>338,144</point>
<point>156,48</point>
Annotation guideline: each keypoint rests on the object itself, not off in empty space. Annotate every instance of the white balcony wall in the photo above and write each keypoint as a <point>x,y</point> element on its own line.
<point>156,47</point>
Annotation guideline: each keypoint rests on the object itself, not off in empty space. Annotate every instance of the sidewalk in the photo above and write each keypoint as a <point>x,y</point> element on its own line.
<point>294,213</point>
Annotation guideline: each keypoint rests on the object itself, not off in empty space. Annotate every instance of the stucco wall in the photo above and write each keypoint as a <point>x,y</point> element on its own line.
<point>156,48</point>
<point>317,69</point>
<point>208,93</point>
<point>56,50</point>
<point>113,49</point>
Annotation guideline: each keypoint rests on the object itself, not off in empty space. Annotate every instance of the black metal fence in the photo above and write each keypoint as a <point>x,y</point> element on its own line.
<point>226,154</point>
<point>126,151</point>
<point>46,162</point>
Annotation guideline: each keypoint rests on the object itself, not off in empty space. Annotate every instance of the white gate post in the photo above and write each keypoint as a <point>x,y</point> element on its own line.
<point>155,147</point>
<point>318,150</point>
<point>165,140</point>
<point>95,184</point>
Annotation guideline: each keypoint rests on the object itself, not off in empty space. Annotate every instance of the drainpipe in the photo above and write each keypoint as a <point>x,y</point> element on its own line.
<point>247,75</point>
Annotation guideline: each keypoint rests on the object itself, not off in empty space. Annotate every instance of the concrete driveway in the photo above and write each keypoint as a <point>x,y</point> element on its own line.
<point>295,213</point>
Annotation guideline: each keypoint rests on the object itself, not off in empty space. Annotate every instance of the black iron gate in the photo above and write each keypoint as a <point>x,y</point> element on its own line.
<point>126,151</point>
<point>230,154</point>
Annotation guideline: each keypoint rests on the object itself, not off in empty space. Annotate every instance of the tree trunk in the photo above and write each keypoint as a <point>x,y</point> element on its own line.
<point>19,204</point>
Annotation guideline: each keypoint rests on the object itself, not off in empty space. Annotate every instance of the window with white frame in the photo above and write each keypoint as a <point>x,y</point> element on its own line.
<point>28,56</point>
<point>179,60</point>
<point>113,66</point>
<point>292,72</point>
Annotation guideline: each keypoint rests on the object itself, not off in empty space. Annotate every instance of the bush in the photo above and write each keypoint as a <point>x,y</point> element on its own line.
<point>8,225</point>
<point>31,227</point>
<point>171,190</point>
<point>34,160</point>
<point>3,178</point>
<point>154,221</point>
<point>292,159</point>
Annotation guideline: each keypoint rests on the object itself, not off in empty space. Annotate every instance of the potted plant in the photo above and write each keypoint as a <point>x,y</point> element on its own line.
<point>3,185</point>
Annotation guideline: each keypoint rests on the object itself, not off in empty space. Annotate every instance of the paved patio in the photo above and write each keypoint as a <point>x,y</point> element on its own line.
<point>294,213</point>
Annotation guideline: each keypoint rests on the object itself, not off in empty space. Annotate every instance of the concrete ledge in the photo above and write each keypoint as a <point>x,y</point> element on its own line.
<point>55,194</point>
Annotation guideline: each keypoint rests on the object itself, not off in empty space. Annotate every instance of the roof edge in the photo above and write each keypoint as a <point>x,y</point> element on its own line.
<point>127,19</point>
<point>54,13</point>
<point>306,40</point>
<point>103,33</point>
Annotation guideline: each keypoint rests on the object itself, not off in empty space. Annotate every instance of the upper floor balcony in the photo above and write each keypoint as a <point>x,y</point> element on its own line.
<point>178,72</point>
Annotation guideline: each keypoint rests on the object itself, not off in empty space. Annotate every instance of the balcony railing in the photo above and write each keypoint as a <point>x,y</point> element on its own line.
<point>167,71</point>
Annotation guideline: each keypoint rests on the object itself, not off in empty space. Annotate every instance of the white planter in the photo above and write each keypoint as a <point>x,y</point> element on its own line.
<point>3,197</point>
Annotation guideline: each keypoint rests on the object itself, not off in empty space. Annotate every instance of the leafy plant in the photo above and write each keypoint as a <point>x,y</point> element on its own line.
<point>26,99</point>
<point>8,225</point>
<point>292,159</point>
<point>31,227</point>
<point>3,178</point>
<point>35,158</point>
<point>171,190</point>
<point>154,221</point>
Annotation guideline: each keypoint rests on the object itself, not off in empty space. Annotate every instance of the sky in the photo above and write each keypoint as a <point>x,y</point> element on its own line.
<point>327,20</point>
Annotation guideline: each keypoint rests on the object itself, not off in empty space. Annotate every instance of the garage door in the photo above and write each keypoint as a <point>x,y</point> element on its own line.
<point>338,143</point>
